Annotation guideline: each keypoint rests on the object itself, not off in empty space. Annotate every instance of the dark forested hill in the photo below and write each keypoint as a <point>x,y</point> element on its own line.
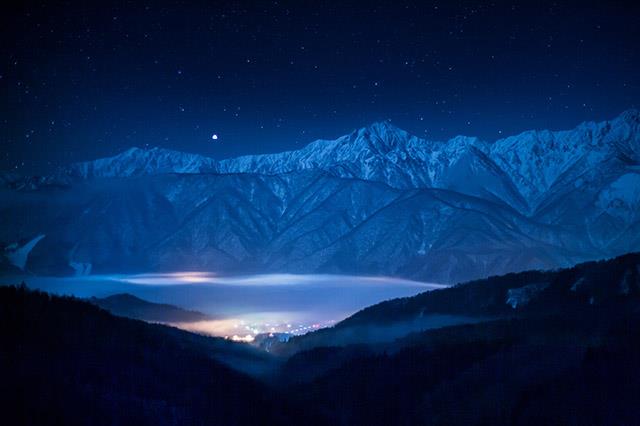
<point>578,291</point>
<point>67,362</point>
<point>558,347</point>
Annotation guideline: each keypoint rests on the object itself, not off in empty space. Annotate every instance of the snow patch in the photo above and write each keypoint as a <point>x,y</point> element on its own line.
<point>81,268</point>
<point>577,284</point>
<point>622,197</point>
<point>19,256</point>
<point>523,295</point>
<point>625,284</point>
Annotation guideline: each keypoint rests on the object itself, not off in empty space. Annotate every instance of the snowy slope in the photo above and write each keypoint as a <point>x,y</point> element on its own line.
<point>376,201</point>
<point>384,153</point>
<point>519,170</point>
<point>541,161</point>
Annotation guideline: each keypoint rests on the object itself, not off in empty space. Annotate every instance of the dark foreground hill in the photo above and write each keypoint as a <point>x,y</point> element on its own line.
<point>579,291</point>
<point>67,362</point>
<point>537,348</point>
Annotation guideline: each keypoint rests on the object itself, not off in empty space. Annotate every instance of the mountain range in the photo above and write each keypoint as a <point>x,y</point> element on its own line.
<point>376,201</point>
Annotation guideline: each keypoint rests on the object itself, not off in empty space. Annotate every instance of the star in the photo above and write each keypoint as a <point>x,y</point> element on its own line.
<point>214,137</point>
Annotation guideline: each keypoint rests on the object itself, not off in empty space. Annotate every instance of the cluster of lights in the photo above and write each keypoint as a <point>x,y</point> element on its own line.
<point>253,330</point>
<point>247,339</point>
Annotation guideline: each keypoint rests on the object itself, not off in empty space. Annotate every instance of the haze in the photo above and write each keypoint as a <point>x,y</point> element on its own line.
<point>246,305</point>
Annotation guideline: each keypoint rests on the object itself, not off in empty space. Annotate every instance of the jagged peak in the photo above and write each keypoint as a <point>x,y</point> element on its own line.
<point>382,127</point>
<point>632,115</point>
<point>385,139</point>
<point>384,130</point>
<point>629,117</point>
<point>382,135</point>
<point>387,131</point>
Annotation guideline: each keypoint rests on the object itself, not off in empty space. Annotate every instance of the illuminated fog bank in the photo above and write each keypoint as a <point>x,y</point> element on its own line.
<point>177,278</point>
<point>244,306</point>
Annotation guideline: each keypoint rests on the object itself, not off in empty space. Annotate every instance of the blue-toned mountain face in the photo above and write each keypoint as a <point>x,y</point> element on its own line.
<point>377,201</point>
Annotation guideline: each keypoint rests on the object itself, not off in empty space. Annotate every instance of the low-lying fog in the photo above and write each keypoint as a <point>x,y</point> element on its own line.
<point>243,306</point>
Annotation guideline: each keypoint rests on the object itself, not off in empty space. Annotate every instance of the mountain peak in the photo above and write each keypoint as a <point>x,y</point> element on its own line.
<point>631,115</point>
<point>383,126</point>
<point>382,135</point>
<point>383,129</point>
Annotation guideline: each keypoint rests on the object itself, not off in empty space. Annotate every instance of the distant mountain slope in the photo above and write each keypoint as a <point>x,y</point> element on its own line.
<point>65,361</point>
<point>127,305</point>
<point>299,222</point>
<point>377,201</point>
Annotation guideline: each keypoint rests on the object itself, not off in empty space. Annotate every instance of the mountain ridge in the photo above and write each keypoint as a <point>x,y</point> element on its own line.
<point>519,169</point>
<point>384,132</point>
<point>358,204</point>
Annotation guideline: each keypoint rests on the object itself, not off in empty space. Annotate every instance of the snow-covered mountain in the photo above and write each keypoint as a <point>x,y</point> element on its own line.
<point>376,201</point>
<point>520,170</point>
<point>540,162</point>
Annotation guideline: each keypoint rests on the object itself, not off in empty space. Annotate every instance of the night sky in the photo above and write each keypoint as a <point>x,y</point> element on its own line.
<point>90,79</point>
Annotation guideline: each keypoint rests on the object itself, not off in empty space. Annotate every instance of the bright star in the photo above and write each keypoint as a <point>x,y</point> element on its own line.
<point>214,137</point>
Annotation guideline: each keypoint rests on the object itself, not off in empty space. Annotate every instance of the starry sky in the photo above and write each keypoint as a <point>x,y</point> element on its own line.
<point>82,80</point>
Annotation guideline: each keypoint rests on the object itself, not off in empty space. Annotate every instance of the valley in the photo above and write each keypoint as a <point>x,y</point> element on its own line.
<point>237,307</point>
<point>566,352</point>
